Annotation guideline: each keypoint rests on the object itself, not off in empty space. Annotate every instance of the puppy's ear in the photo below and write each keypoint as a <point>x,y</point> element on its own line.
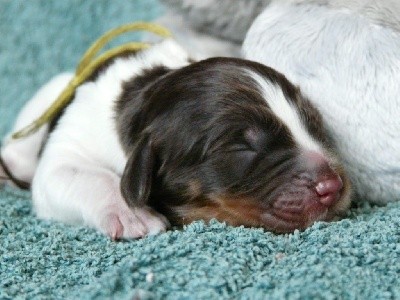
<point>137,178</point>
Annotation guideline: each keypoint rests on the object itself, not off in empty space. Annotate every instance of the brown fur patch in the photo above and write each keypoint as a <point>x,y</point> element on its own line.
<point>232,210</point>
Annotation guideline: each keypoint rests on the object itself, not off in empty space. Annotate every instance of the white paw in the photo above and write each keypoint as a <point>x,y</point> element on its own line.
<point>121,222</point>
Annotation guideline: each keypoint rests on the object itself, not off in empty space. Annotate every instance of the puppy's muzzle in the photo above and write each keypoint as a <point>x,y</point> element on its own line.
<point>311,196</point>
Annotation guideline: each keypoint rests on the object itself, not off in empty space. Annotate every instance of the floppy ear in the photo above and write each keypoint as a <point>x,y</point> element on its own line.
<point>137,177</point>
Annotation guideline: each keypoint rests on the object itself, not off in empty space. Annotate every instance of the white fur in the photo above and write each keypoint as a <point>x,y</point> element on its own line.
<point>346,60</point>
<point>287,113</point>
<point>381,12</point>
<point>78,176</point>
<point>22,155</point>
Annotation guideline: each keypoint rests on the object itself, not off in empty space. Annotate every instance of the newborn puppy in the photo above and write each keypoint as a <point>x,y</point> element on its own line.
<point>154,137</point>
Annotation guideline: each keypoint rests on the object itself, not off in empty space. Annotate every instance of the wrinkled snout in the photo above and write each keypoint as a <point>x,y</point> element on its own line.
<point>313,194</point>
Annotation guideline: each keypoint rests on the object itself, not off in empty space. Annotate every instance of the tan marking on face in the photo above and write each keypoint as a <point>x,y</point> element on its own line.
<point>235,212</point>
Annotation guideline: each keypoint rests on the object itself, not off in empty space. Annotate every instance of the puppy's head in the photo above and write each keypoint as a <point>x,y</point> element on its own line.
<point>228,139</point>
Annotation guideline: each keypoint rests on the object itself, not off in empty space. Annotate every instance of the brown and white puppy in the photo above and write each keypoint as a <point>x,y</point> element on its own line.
<point>156,135</point>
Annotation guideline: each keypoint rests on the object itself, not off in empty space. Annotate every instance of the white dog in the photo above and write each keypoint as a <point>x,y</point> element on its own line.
<point>345,56</point>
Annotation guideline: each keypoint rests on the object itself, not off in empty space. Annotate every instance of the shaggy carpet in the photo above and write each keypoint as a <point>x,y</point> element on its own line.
<point>356,258</point>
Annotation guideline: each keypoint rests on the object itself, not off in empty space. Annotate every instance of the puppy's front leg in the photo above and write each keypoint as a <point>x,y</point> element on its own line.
<point>82,193</point>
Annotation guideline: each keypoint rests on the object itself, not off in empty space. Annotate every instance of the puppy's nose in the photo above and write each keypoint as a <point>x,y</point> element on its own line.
<point>328,184</point>
<point>329,190</point>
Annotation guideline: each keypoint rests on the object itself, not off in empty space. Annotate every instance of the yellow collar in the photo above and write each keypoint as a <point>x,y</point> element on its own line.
<point>88,64</point>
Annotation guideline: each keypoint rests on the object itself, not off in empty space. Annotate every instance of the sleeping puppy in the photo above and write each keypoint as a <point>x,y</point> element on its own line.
<point>154,138</point>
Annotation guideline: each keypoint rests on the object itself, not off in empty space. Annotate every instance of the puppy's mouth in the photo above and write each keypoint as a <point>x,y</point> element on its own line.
<point>297,215</point>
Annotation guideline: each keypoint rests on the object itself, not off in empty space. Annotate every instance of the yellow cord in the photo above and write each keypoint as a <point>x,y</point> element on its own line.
<point>89,64</point>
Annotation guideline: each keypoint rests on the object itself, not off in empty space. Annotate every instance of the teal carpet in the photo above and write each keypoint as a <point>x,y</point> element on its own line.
<point>356,258</point>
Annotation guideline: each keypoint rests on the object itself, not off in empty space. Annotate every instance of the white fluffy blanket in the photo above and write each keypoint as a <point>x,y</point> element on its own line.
<point>345,55</point>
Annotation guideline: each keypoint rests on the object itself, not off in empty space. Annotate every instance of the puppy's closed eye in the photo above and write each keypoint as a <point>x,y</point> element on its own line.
<point>240,147</point>
<point>238,155</point>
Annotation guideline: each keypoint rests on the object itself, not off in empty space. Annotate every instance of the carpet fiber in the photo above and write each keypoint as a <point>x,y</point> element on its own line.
<point>356,258</point>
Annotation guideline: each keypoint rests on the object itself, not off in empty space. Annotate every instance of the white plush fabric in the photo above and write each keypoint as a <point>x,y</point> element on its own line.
<point>345,55</point>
